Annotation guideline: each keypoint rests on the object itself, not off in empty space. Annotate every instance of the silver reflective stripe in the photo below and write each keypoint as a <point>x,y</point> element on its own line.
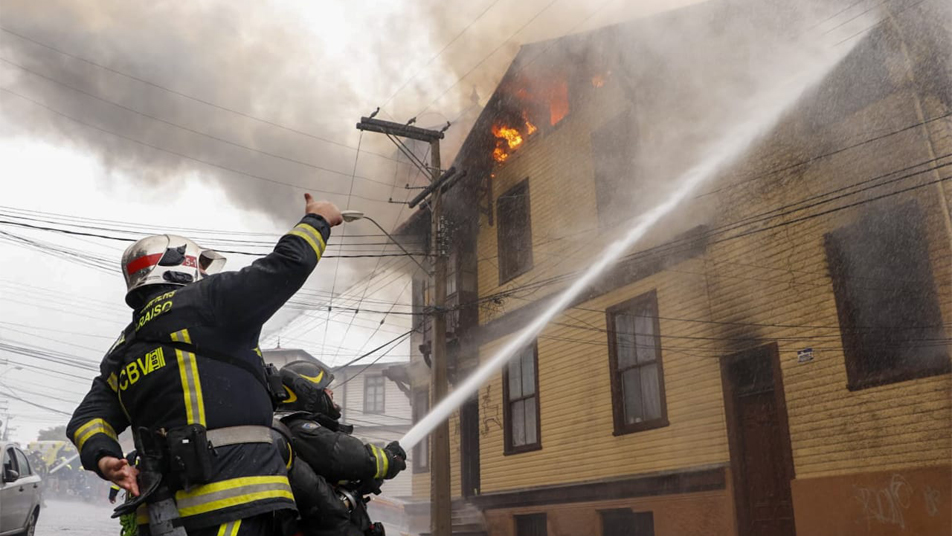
<point>234,435</point>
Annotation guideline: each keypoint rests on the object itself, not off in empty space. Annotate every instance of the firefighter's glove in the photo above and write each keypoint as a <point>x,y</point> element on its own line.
<point>397,458</point>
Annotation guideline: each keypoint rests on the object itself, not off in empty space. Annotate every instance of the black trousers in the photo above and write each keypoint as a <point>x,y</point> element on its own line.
<point>262,525</point>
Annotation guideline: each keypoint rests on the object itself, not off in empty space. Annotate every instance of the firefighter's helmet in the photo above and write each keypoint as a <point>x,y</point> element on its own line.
<point>166,260</point>
<point>306,383</point>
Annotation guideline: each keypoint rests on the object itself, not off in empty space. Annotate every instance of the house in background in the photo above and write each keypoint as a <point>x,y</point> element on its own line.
<point>776,361</point>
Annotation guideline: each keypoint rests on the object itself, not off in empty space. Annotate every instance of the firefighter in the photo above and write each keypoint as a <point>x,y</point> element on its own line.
<point>330,470</point>
<point>188,377</point>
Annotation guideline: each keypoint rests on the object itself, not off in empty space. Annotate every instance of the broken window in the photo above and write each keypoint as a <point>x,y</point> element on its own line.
<point>635,363</point>
<point>520,391</point>
<point>886,299</point>
<point>514,232</point>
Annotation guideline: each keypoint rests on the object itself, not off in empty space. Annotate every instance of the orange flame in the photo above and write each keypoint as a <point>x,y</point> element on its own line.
<point>598,81</point>
<point>511,135</point>
<point>530,128</point>
<point>500,155</point>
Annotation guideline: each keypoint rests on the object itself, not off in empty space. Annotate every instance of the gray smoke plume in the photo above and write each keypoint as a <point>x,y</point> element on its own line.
<point>248,57</point>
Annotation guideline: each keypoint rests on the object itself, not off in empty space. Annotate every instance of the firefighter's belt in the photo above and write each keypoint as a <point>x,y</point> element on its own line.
<point>234,435</point>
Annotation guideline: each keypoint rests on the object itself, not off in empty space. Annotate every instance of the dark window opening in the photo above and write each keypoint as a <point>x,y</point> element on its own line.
<point>514,232</point>
<point>637,376</point>
<point>531,525</point>
<point>521,396</point>
<point>613,159</point>
<point>421,451</point>
<point>890,320</point>
<point>624,522</point>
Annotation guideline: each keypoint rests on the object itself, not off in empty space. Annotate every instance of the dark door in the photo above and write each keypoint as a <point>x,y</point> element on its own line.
<point>469,447</point>
<point>761,459</point>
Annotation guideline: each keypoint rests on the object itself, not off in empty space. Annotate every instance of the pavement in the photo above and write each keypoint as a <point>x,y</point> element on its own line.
<point>76,518</point>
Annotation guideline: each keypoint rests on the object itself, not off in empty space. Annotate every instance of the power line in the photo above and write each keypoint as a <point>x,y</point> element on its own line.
<point>233,252</point>
<point>182,155</point>
<point>438,54</point>
<point>190,97</point>
<point>188,129</point>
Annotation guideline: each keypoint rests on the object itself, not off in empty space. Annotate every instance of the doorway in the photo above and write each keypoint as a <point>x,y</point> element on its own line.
<point>761,457</point>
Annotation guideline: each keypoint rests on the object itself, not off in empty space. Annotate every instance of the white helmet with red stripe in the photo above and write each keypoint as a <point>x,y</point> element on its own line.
<point>166,260</point>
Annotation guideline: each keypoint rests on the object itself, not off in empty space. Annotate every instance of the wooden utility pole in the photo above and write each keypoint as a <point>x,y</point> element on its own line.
<point>440,499</point>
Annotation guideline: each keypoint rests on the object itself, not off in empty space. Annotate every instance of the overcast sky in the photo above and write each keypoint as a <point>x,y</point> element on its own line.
<point>259,105</point>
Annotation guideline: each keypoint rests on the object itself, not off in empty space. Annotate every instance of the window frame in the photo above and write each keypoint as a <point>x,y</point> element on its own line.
<point>22,457</point>
<point>421,460</point>
<point>506,273</point>
<point>383,394</point>
<point>618,403</point>
<point>508,447</point>
<point>626,512</point>
<point>859,374</point>
<point>530,516</point>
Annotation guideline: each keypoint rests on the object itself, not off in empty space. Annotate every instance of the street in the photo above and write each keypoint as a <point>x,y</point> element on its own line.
<point>76,518</point>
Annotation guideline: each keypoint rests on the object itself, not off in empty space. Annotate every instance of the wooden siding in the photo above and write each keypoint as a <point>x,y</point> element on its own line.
<point>770,286</point>
<point>575,396</point>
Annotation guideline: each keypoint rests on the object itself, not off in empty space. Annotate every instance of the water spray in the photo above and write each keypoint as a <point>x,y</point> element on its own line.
<point>725,150</point>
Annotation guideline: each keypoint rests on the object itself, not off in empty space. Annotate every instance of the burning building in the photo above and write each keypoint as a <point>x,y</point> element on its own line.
<point>773,361</point>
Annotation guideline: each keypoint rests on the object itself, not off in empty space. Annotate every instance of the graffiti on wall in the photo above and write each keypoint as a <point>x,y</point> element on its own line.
<point>889,504</point>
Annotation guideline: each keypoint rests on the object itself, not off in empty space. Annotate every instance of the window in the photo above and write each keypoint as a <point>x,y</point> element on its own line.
<point>421,452</point>
<point>613,157</point>
<point>23,464</point>
<point>624,522</point>
<point>886,298</point>
<point>634,348</point>
<point>374,387</point>
<point>514,232</point>
<point>521,395</point>
<point>8,463</point>
<point>530,525</point>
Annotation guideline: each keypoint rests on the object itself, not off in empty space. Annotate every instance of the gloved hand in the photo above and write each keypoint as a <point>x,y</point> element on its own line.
<point>397,458</point>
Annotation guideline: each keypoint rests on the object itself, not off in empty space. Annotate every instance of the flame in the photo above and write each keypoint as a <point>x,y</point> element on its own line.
<point>530,128</point>
<point>500,155</point>
<point>511,135</point>
<point>598,81</point>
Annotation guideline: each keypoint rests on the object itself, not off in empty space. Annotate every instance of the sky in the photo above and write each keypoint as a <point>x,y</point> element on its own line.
<point>218,116</point>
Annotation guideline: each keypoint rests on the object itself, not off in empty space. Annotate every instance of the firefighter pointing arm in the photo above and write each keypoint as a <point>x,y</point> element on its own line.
<point>187,375</point>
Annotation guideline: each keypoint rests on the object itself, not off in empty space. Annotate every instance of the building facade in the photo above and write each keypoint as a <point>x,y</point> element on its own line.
<point>773,361</point>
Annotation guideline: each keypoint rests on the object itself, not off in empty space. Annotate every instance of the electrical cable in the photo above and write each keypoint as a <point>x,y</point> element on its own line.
<point>182,155</point>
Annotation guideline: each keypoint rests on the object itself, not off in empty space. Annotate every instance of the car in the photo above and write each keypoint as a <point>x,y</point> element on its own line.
<point>20,489</point>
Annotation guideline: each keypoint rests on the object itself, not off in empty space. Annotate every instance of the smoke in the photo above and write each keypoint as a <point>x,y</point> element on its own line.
<point>250,57</point>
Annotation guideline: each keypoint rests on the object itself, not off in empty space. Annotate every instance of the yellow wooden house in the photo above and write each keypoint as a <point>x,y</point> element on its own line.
<point>773,360</point>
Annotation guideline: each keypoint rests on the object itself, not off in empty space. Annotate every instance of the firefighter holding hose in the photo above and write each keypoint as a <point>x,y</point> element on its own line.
<point>331,472</point>
<point>188,377</point>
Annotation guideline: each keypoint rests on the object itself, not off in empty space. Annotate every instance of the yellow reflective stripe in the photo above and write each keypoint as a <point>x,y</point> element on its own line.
<point>91,428</point>
<point>383,464</point>
<point>314,379</point>
<point>230,528</point>
<point>311,236</point>
<point>233,492</point>
<point>191,384</point>
<point>290,455</point>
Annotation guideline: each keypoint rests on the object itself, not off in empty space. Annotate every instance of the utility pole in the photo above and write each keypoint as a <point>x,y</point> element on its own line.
<point>440,499</point>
